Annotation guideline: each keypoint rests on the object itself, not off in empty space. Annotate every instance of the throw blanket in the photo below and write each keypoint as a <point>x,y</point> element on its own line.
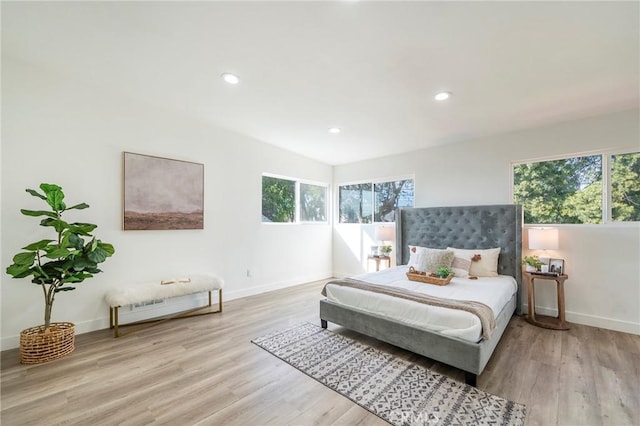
<point>479,309</point>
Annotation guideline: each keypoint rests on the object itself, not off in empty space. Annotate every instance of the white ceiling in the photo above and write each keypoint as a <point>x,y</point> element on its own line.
<point>371,68</point>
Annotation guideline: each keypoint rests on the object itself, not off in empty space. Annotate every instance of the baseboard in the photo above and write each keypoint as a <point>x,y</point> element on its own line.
<point>171,306</point>
<point>591,320</point>
<point>252,291</point>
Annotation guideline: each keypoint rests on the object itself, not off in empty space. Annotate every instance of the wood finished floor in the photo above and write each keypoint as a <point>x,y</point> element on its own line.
<point>205,371</point>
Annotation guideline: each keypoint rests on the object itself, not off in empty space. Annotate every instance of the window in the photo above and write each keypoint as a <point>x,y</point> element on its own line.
<point>374,202</point>
<point>389,196</point>
<point>313,203</point>
<point>625,187</point>
<point>355,203</point>
<point>574,190</point>
<point>278,199</point>
<point>288,201</point>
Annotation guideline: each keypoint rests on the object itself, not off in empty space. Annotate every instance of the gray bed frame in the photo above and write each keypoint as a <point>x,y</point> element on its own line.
<point>470,227</point>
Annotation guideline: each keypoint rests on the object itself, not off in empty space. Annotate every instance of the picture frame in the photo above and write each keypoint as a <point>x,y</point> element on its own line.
<point>556,266</point>
<point>161,193</point>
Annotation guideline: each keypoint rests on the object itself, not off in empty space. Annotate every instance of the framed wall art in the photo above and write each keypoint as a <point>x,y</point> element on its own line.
<point>161,193</point>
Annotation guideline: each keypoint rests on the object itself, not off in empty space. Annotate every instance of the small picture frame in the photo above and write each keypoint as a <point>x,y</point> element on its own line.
<point>556,266</point>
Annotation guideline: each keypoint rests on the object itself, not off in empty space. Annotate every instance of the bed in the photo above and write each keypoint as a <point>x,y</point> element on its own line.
<point>465,227</point>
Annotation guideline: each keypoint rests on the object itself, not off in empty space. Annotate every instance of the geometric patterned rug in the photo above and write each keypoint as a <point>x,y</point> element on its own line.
<point>396,390</point>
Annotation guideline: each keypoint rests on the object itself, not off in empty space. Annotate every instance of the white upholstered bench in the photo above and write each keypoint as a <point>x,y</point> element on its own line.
<point>141,293</point>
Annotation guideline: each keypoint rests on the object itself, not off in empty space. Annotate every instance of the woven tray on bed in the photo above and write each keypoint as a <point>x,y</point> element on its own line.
<point>415,275</point>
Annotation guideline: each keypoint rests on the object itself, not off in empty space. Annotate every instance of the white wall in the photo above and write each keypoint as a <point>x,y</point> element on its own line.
<point>602,261</point>
<point>57,131</point>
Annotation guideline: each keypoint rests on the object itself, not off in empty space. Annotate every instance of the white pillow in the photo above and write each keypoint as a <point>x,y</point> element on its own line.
<point>485,266</point>
<point>426,259</point>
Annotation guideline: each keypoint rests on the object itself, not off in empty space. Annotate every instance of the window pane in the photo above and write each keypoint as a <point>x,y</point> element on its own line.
<point>278,200</point>
<point>355,203</point>
<point>313,205</point>
<point>560,191</point>
<point>625,187</point>
<point>391,195</point>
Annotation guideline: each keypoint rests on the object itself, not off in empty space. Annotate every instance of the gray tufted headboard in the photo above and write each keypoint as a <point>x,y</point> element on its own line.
<point>468,227</point>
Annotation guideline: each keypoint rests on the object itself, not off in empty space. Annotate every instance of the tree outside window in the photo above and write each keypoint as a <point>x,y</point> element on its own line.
<point>570,190</point>
<point>374,202</point>
<point>625,187</point>
<point>313,203</point>
<point>391,195</point>
<point>278,200</point>
<point>355,203</point>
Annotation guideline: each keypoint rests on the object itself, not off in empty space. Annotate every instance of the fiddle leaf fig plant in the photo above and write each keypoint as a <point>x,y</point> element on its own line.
<point>58,264</point>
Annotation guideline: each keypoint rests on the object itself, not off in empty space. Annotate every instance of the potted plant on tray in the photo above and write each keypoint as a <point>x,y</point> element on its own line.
<point>56,265</point>
<point>532,263</point>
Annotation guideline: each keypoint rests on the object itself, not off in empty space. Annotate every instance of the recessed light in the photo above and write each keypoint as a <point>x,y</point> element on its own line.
<point>230,78</point>
<point>442,96</point>
<point>334,130</point>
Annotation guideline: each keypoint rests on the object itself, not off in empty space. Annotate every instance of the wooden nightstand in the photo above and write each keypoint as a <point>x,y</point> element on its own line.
<point>545,321</point>
<point>379,259</point>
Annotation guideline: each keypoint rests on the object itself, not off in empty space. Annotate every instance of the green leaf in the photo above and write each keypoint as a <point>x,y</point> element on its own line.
<point>40,245</point>
<point>81,263</point>
<point>59,289</point>
<point>108,248</point>
<point>79,206</point>
<point>58,225</point>
<point>82,228</point>
<point>54,196</point>
<point>36,194</point>
<point>24,258</point>
<point>49,187</point>
<point>76,241</point>
<point>17,271</point>
<point>23,274</point>
<point>60,253</point>
<point>37,213</point>
<point>97,256</point>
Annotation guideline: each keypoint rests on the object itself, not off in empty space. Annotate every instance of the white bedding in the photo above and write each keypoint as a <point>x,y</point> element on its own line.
<point>493,292</point>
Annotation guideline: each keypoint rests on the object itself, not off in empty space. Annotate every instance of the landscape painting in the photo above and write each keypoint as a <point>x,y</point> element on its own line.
<point>160,193</point>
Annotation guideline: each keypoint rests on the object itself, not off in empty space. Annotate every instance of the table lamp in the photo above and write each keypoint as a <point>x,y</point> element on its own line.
<point>543,239</point>
<point>384,234</point>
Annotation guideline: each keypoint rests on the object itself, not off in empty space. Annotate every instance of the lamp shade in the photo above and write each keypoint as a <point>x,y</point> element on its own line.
<point>384,233</point>
<point>543,238</point>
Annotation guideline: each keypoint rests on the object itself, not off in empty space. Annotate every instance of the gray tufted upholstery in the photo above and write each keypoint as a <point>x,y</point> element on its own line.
<point>468,227</point>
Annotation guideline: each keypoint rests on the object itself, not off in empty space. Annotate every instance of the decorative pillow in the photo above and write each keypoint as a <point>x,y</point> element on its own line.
<point>429,260</point>
<point>460,266</point>
<point>482,263</point>
<point>416,254</point>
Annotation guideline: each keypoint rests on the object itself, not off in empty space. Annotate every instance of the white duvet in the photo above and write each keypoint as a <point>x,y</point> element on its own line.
<point>493,292</point>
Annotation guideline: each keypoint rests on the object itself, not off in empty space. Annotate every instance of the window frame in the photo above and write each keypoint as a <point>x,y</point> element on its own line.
<point>297,182</point>
<point>606,155</point>
<point>373,182</point>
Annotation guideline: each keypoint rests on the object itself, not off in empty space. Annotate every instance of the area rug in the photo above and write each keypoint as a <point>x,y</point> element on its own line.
<point>396,390</point>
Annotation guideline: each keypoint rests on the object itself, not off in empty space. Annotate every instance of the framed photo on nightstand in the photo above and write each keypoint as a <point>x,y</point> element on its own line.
<point>556,266</point>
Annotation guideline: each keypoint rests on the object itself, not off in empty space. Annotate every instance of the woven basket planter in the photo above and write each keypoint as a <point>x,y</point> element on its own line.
<point>38,345</point>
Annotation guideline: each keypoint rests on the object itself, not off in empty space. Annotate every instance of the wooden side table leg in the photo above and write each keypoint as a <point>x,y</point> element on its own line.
<point>561,302</point>
<point>531,299</point>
